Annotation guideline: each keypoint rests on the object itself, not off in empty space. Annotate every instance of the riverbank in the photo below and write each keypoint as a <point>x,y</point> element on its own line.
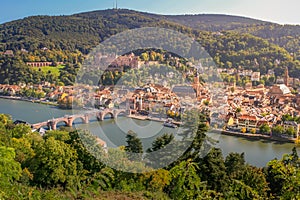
<point>223,132</point>
<point>256,136</point>
<point>257,152</point>
<point>162,120</point>
<point>29,100</point>
<point>155,119</point>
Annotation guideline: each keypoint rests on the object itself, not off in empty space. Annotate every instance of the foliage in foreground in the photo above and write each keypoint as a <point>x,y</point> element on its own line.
<point>59,166</point>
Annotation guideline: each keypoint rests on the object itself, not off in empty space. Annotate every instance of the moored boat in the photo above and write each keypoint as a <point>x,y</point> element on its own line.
<point>169,124</point>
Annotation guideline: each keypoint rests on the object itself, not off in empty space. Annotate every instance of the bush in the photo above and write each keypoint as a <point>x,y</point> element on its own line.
<point>243,130</point>
<point>253,131</point>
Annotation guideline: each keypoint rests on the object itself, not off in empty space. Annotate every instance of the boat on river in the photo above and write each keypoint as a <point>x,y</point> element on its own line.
<point>169,123</point>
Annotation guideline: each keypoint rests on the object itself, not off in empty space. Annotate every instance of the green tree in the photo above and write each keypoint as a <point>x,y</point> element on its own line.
<point>23,149</point>
<point>234,163</point>
<point>240,190</point>
<point>194,135</point>
<point>57,135</point>
<point>238,110</point>
<point>20,130</point>
<point>162,151</point>
<point>102,180</point>
<point>89,152</point>
<point>213,170</point>
<point>278,130</point>
<point>287,117</point>
<point>10,170</point>
<point>265,129</point>
<point>117,158</point>
<point>248,182</point>
<point>290,131</point>
<point>5,124</point>
<point>186,184</point>
<point>134,146</point>
<point>283,176</point>
<point>157,180</point>
<point>54,164</point>
<point>283,179</point>
<point>5,119</point>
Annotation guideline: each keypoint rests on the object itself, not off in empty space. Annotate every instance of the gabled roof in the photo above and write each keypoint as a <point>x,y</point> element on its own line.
<point>248,117</point>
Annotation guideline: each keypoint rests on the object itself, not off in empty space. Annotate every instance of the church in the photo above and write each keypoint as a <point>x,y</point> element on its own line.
<point>281,90</point>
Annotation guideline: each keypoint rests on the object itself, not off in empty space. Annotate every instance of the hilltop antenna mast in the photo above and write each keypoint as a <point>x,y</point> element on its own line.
<point>117,4</point>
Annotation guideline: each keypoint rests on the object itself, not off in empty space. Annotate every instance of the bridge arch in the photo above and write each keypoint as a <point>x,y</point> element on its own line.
<point>56,122</point>
<point>120,113</point>
<point>104,114</point>
<point>84,119</point>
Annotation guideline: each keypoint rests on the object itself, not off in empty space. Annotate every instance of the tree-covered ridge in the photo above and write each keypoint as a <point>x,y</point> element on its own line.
<point>286,36</point>
<point>69,38</point>
<point>214,22</point>
<point>231,50</point>
<point>76,32</point>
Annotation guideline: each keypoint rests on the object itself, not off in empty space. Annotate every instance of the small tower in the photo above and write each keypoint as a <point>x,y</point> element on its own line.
<point>197,85</point>
<point>286,76</point>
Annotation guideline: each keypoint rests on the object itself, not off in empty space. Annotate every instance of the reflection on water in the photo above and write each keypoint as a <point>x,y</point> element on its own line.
<point>257,152</point>
<point>114,132</point>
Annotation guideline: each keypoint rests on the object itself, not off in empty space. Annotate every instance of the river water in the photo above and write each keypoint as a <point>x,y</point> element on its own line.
<point>113,132</point>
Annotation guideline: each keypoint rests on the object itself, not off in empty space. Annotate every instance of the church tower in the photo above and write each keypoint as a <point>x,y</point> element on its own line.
<point>197,85</point>
<point>286,76</point>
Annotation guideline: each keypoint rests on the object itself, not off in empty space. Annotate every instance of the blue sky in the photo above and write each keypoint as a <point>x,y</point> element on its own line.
<point>284,12</point>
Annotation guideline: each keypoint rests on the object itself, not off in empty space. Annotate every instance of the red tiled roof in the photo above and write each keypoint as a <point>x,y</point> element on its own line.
<point>248,117</point>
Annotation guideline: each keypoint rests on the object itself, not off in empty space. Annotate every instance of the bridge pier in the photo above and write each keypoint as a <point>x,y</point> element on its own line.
<point>70,121</point>
<point>52,125</point>
<point>86,119</point>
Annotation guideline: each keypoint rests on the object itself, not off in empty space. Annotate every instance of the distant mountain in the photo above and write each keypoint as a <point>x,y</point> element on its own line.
<point>66,37</point>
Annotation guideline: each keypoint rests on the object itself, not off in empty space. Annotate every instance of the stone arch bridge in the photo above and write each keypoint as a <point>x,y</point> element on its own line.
<point>68,120</point>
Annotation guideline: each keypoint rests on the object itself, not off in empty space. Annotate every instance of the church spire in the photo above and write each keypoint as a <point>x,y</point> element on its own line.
<point>286,76</point>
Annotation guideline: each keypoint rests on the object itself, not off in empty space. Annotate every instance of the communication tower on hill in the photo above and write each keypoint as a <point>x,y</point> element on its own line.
<point>115,4</point>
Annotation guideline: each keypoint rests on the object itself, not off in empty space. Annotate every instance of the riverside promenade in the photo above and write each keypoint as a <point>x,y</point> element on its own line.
<point>255,136</point>
<point>156,119</point>
<point>29,100</point>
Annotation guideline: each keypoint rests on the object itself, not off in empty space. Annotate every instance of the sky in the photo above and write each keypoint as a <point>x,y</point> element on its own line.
<point>279,11</point>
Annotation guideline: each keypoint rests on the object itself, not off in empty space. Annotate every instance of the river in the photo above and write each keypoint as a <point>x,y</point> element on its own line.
<point>257,152</point>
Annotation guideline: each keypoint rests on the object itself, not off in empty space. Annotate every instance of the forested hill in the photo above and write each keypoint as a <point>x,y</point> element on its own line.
<point>286,36</point>
<point>76,32</point>
<point>66,37</point>
<point>214,22</point>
